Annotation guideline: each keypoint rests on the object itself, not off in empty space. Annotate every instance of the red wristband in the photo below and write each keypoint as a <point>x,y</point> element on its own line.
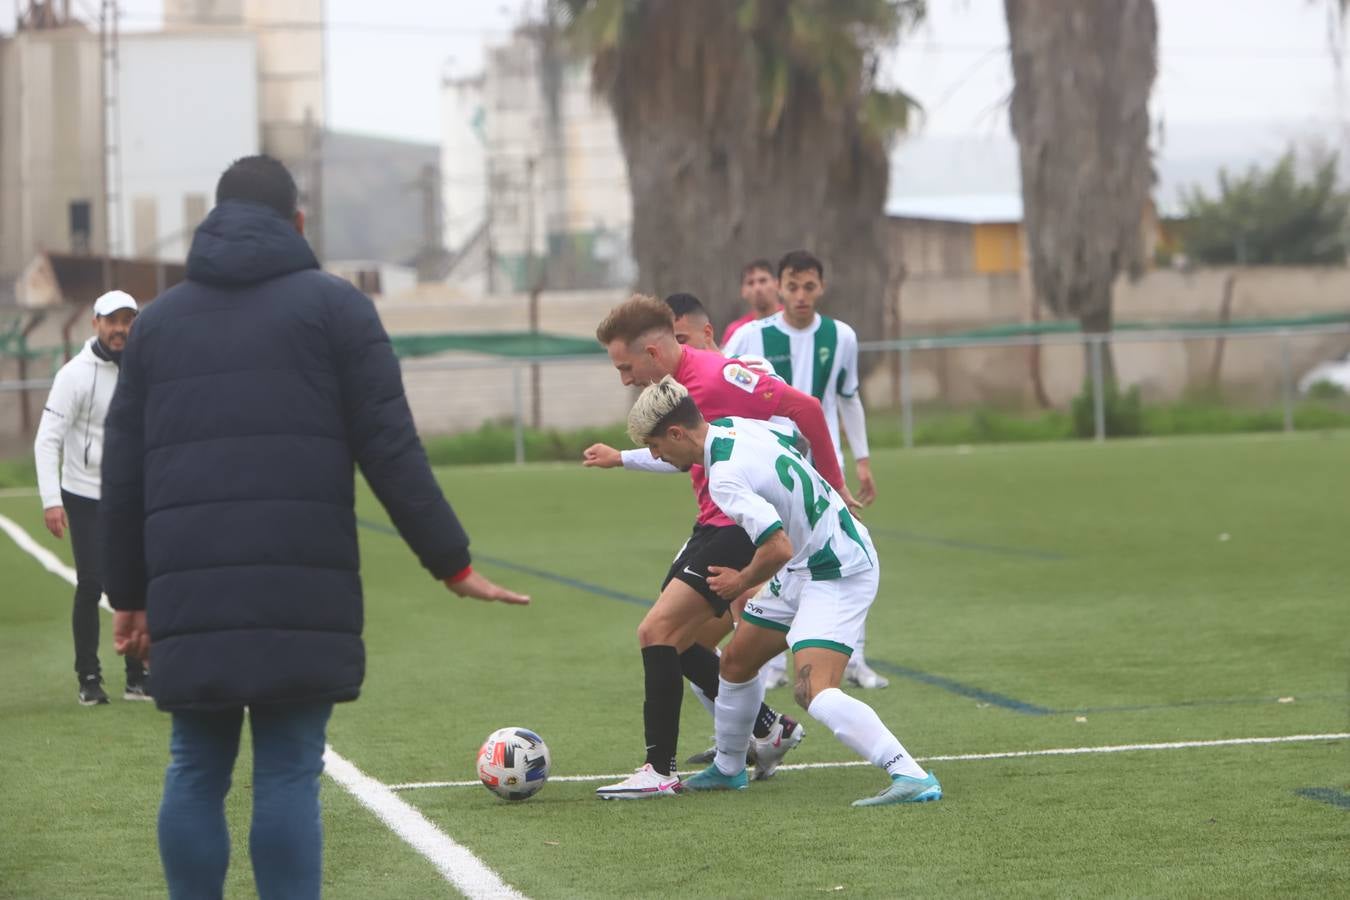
<point>460,575</point>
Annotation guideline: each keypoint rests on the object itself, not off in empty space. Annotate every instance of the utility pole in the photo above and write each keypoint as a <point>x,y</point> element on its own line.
<point>313,138</point>
<point>428,184</point>
<point>535,284</point>
<point>111,120</point>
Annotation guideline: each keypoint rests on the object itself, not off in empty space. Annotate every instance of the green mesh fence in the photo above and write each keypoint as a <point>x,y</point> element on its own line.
<point>503,343</point>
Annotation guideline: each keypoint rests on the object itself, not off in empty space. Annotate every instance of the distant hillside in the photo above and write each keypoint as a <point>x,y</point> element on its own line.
<point>372,205</point>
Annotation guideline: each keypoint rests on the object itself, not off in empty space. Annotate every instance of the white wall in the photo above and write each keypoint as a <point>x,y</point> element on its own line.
<point>189,108</point>
<point>597,172</point>
<point>463,160</point>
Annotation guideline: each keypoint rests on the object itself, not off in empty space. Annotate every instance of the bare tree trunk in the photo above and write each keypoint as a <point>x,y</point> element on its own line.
<point>1082,75</point>
<point>712,189</point>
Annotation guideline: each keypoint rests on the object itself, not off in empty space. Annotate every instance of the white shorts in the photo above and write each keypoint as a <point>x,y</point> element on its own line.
<point>826,614</point>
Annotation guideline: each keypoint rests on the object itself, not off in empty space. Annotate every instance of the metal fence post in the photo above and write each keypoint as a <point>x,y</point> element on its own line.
<point>518,414</point>
<point>906,404</point>
<point>1286,381</point>
<point>1098,389</point>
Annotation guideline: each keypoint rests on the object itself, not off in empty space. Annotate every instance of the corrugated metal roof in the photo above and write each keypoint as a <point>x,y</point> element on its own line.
<point>972,209</point>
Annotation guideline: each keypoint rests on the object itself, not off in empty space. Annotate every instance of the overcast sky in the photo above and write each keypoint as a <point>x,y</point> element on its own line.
<point>1248,63</point>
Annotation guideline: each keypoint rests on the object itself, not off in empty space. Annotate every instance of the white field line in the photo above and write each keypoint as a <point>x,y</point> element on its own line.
<point>959,757</point>
<point>49,560</point>
<point>456,863</point>
<point>460,867</point>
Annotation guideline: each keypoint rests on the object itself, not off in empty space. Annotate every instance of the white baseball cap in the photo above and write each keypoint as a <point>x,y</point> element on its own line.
<point>112,301</point>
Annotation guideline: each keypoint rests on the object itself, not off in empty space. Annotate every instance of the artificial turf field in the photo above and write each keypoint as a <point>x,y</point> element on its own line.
<point>1033,598</point>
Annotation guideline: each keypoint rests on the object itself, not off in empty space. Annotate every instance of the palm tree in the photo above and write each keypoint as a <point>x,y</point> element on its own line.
<point>1082,75</point>
<point>752,127</point>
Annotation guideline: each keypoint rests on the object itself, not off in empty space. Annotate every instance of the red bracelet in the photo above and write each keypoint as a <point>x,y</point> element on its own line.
<point>460,575</point>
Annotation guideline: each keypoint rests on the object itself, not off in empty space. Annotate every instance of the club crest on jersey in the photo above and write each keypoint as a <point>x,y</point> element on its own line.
<point>824,354</point>
<point>741,377</point>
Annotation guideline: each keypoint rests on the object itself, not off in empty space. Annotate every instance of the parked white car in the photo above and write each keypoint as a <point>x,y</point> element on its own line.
<point>1336,371</point>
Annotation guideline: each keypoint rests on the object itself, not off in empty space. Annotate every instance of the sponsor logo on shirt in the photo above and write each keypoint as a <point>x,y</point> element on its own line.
<point>741,377</point>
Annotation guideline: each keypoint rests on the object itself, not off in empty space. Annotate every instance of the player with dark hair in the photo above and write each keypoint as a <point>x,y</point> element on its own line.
<point>817,355</point>
<point>759,290</point>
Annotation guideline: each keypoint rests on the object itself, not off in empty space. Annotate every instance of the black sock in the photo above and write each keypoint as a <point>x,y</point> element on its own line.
<point>700,666</point>
<point>764,721</point>
<point>661,709</point>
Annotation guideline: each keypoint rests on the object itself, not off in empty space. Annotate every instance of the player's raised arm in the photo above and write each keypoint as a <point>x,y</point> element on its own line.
<point>603,456</point>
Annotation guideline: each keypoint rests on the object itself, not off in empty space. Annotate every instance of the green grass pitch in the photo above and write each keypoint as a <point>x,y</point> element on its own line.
<point>1033,597</point>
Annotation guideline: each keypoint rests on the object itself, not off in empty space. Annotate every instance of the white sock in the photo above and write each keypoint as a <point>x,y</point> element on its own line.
<point>859,728</point>
<point>737,707</point>
<point>702,698</point>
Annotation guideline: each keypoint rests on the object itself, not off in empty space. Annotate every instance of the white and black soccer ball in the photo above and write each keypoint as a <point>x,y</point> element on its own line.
<point>513,763</point>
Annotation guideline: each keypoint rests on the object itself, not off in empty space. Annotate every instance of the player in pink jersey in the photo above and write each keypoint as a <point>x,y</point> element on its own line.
<point>640,338</point>
<point>759,289</point>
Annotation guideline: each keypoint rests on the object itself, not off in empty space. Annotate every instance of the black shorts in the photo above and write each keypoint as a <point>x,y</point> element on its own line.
<point>711,545</point>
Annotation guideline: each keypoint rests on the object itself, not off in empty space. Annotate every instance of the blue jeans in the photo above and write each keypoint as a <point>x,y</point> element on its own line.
<point>286,838</point>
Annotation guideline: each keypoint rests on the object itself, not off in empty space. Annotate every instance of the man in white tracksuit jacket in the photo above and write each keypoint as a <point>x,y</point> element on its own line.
<point>68,452</point>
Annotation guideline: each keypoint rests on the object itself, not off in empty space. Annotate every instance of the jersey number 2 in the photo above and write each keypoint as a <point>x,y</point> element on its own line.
<point>815,508</point>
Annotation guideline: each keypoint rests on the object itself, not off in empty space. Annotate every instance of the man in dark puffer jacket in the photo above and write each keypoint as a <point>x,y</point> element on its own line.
<point>246,395</point>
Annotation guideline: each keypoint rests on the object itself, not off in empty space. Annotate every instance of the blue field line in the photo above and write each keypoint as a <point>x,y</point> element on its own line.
<point>596,589</point>
<point>1326,795</point>
<point>965,690</point>
<point>915,538</point>
<point>947,684</point>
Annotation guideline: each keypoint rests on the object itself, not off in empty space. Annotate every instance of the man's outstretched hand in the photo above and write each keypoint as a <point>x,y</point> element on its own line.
<point>131,634</point>
<point>479,587</point>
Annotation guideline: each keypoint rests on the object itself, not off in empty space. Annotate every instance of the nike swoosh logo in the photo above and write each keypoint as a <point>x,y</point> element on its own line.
<point>692,572</point>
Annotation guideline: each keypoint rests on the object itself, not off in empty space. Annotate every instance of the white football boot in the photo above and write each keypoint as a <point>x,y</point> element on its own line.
<point>643,784</point>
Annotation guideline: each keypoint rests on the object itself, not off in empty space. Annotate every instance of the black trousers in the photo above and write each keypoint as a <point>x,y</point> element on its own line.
<point>82,514</point>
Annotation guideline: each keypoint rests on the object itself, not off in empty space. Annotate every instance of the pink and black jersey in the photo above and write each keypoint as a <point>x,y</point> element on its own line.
<point>724,387</point>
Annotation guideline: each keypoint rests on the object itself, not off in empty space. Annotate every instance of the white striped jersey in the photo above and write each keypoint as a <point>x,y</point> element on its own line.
<point>820,360</point>
<point>764,484</point>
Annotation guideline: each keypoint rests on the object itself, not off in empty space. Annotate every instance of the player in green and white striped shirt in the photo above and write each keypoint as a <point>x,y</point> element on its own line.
<point>817,355</point>
<point>826,579</point>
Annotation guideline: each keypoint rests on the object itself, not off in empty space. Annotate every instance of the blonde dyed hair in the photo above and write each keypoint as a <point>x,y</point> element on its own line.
<point>655,403</point>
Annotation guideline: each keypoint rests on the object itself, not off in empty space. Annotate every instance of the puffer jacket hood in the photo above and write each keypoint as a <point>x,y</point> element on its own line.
<point>243,243</point>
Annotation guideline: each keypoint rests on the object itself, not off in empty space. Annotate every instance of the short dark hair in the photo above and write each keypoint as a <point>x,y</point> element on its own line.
<point>636,317</point>
<point>259,179</point>
<point>800,261</point>
<point>685,304</point>
<point>756,265</point>
<point>685,414</point>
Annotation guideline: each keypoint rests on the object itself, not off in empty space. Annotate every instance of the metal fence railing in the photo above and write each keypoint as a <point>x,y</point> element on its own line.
<point>909,378</point>
<point>1258,365</point>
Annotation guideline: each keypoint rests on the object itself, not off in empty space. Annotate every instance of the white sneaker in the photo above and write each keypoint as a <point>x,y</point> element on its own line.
<point>860,674</point>
<point>644,783</point>
<point>770,750</point>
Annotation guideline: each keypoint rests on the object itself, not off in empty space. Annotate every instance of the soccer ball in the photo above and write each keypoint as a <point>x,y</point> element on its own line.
<point>513,763</point>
